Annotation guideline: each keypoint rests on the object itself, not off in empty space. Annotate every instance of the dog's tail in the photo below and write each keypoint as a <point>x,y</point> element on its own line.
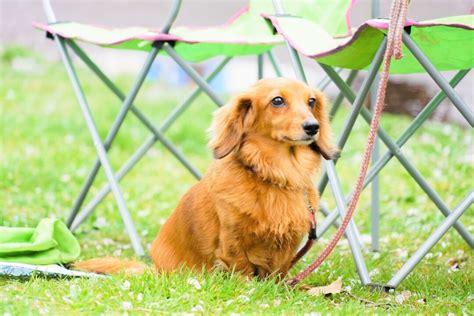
<point>110,265</point>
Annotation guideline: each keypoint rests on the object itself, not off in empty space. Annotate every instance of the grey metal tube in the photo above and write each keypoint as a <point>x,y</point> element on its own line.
<point>341,206</point>
<point>357,101</point>
<point>418,178</point>
<point>349,94</point>
<point>439,232</point>
<point>274,63</point>
<point>330,170</point>
<point>176,5</point>
<point>395,150</point>
<point>413,127</point>
<point>127,103</point>
<point>324,83</point>
<point>332,219</point>
<point>295,60</point>
<point>193,74</point>
<point>259,66</point>
<point>126,167</point>
<point>375,196</point>
<point>101,152</point>
<point>439,79</point>
<point>146,145</point>
<point>158,133</point>
<point>180,109</point>
<point>48,10</point>
<point>172,17</point>
<point>377,166</point>
<point>89,208</point>
<point>340,97</point>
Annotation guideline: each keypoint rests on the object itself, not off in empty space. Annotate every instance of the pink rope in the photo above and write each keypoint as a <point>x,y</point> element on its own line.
<point>398,14</point>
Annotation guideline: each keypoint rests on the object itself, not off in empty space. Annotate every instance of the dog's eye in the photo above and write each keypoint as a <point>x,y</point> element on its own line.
<point>312,102</point>
<point>278,102</point>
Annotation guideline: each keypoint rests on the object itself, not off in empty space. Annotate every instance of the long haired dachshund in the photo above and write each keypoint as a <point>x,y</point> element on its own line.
<point>249,213</point>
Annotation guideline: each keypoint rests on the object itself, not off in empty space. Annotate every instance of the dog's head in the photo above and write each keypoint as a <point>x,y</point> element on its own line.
<point>284,110</point>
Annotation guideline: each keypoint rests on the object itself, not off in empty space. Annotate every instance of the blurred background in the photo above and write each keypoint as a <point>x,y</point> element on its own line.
<point>410,92</point>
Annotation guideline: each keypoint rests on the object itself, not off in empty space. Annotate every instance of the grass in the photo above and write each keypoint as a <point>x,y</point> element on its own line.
<point>46,152</point>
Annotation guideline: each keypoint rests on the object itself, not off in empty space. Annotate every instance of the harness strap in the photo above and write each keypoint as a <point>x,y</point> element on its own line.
<point>312,237</point>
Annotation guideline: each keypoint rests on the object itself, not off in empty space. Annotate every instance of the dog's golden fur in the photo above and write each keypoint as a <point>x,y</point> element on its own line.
<point>249,212</point>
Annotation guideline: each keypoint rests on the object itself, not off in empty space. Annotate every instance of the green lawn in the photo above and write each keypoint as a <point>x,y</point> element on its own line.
<point>46,153</point>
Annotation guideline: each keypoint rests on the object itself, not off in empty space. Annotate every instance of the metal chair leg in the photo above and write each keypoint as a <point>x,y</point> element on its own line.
<point>341,206</point>
<point>340,97</point>
<point>275,66</point>
<point>330,170</point>
<point>101,151</point>
<point>439,79</point>
<point>260,64</point>
<point>157,136</point>
<point>395,149</point>
<point>431,241</point>
<point>381,162</point>
<point>375,196</point>
<point>193,74</point>
<point>127,103</point>
<point>357,101</point>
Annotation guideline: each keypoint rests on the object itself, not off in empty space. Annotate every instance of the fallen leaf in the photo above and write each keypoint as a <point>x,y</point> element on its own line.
<point>454,268</point>
<point>333,288</point>
<point>456,261</point>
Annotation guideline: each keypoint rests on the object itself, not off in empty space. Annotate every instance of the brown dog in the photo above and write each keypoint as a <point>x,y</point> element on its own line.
<point>250,210</point>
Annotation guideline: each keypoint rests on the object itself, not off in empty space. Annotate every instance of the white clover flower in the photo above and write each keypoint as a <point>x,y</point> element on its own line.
<point>243,298</point>
<point>195,283</point>
<point>126,285</point>
<point>127,306</point>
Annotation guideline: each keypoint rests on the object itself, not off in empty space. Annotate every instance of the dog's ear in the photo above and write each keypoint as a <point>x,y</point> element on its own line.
<point>323,145</point>
<point>227,128</point>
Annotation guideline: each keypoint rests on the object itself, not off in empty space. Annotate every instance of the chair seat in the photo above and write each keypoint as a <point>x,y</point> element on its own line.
<point>447,42</point>
<point>245,34</point>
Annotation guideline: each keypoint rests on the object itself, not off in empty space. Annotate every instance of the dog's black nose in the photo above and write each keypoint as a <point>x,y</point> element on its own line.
<point>310,127</point>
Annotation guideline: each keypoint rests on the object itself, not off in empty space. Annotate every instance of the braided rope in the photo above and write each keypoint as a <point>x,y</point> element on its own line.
<point>398,14</point>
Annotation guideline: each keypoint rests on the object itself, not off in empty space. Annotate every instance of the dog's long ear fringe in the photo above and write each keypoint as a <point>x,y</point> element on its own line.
<point>324,144</point>
<point>227,128</point>
<point>334,154</point>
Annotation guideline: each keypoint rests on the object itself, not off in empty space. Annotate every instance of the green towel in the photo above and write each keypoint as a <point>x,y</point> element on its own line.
<point>50,242</point>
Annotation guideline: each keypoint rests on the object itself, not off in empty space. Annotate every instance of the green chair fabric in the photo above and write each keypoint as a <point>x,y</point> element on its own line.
<point>244,34</point>
<point>447,42</point>
<point>319,29</point>
<point>48,243</point>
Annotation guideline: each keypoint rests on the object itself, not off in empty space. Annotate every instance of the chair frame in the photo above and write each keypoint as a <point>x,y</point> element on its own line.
<point>330,176</point>
<point>394,150</point>
<point>78,213</point>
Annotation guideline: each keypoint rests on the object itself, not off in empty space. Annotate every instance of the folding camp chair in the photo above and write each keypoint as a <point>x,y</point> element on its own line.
<point>425,50</point>
<point>246,34</point>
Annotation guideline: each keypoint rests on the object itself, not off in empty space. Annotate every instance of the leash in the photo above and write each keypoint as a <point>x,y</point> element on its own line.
<point>398,12</point>
<point>311,238</point>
